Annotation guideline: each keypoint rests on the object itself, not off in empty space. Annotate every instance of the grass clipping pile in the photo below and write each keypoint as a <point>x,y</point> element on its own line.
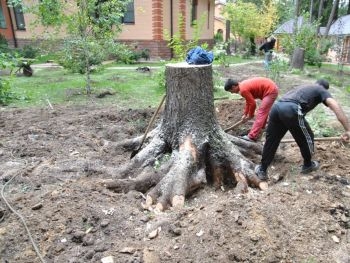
<point>52,163</point>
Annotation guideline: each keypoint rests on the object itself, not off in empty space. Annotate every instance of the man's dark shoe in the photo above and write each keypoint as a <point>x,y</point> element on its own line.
<point>262,175</point>
<point>308,169</point>
<point>247,138</point>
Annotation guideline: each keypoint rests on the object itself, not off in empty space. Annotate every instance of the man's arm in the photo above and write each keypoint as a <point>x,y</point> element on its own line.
<point>250,104</point>
<point>335,107</point>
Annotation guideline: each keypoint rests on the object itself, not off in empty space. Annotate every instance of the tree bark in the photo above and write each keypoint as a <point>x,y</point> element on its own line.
<point>228,37</point>
<point>252,46</point>
<point>311,10</point>
<point>319,15</point>
<point>298,58</point>
<point>188,149</point>
<point>296,15</point>
<point>331,16</point>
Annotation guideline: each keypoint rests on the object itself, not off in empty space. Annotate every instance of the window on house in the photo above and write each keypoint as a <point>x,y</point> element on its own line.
<point>2,18</point>
<point>194,11</point>
<point>19,17</point>
<point>129,14</point>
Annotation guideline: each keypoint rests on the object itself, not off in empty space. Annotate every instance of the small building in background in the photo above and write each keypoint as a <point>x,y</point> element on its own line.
<point>340,34</point>
<point>286,28</point>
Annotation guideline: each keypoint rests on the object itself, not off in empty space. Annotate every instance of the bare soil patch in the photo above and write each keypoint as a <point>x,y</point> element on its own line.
<point>53,163</point>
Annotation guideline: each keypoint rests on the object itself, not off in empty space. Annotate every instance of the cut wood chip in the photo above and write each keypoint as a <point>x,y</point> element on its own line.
<point>263,186</point>
<point>128,250</point>
<point>154,233</point>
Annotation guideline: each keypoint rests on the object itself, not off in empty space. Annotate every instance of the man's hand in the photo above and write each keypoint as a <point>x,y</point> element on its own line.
<point>346,136</point>
<point>245,118</point>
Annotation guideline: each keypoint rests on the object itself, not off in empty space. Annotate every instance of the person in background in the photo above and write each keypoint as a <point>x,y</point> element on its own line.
<point>267,48</point>
<point>254,88</point>
<point>288,114</point>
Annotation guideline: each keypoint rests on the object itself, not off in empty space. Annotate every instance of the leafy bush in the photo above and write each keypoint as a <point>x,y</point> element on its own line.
<point>347,89</point>
<point>3,44</point>
<point>125,54</point>
<point>5,91</point>
<point>159,77</point>
<point>29,52</point>
<point>307,39</point>
<point>78,55</point>
<point>276,67</point>
<point>7,61</point>
<point>218,37</point>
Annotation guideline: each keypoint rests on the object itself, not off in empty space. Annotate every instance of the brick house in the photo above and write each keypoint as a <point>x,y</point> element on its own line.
<point>219,20</point>
<point>144,24</point>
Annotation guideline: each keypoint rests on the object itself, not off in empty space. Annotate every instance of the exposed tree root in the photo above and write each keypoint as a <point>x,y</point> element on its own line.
<point>174,174</point>
<point>127,145</point>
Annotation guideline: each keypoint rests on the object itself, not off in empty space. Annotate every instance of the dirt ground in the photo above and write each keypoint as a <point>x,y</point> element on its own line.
<point>53,162</point>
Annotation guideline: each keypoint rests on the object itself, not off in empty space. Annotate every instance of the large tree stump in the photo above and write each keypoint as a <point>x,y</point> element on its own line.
<point>188,148</point>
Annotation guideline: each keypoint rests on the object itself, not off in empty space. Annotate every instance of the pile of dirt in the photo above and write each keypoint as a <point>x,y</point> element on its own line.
<point>53,163</point>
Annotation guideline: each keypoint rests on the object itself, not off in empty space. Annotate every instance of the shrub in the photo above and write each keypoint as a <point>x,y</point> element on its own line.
<point>78,55</point>
<point>29,52</point>
<point>218,37</point>
<point>307,39</point>
<point>123,53</point>
<point>277,66</point>
<point>3,44</point>
<point>7,61</point>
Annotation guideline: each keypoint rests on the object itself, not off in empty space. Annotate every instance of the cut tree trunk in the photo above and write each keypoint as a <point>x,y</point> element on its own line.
<point>188,148</point>
<point>298,58</point>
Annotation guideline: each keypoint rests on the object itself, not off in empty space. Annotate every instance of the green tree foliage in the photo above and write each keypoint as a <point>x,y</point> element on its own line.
<point>306,37</point>
<point>285,10</point>
<point>7,61</point>
<point>50,12</point>
<point>248,21</point>
<point>89,25</point>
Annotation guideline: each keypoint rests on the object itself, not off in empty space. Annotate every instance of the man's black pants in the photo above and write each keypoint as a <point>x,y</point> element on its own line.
<point>287,116</point>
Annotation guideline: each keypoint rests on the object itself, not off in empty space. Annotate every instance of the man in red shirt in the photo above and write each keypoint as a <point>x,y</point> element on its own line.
<point>255,88</point>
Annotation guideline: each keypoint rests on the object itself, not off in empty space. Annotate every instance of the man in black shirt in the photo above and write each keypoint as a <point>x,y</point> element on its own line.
<point>267,47</point>
<point>288,114</point>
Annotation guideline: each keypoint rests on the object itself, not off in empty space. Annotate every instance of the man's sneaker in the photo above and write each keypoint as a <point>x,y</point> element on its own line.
<point>247,138</point>
<point>262,175</point>
<point>308,169</point>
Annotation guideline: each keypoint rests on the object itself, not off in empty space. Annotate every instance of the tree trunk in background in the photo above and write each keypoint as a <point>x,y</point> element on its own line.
<point>296,51</point>
<point>228,37</point>
<point>252,46</point>
<point>311,10</point>
<point>296,16</point>
<point>298,58</point>
<point>331,16</point>
<point>320,9</point>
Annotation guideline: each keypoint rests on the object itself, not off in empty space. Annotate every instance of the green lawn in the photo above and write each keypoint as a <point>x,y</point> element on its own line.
<point>60,87</point>
<point>131,88</point>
